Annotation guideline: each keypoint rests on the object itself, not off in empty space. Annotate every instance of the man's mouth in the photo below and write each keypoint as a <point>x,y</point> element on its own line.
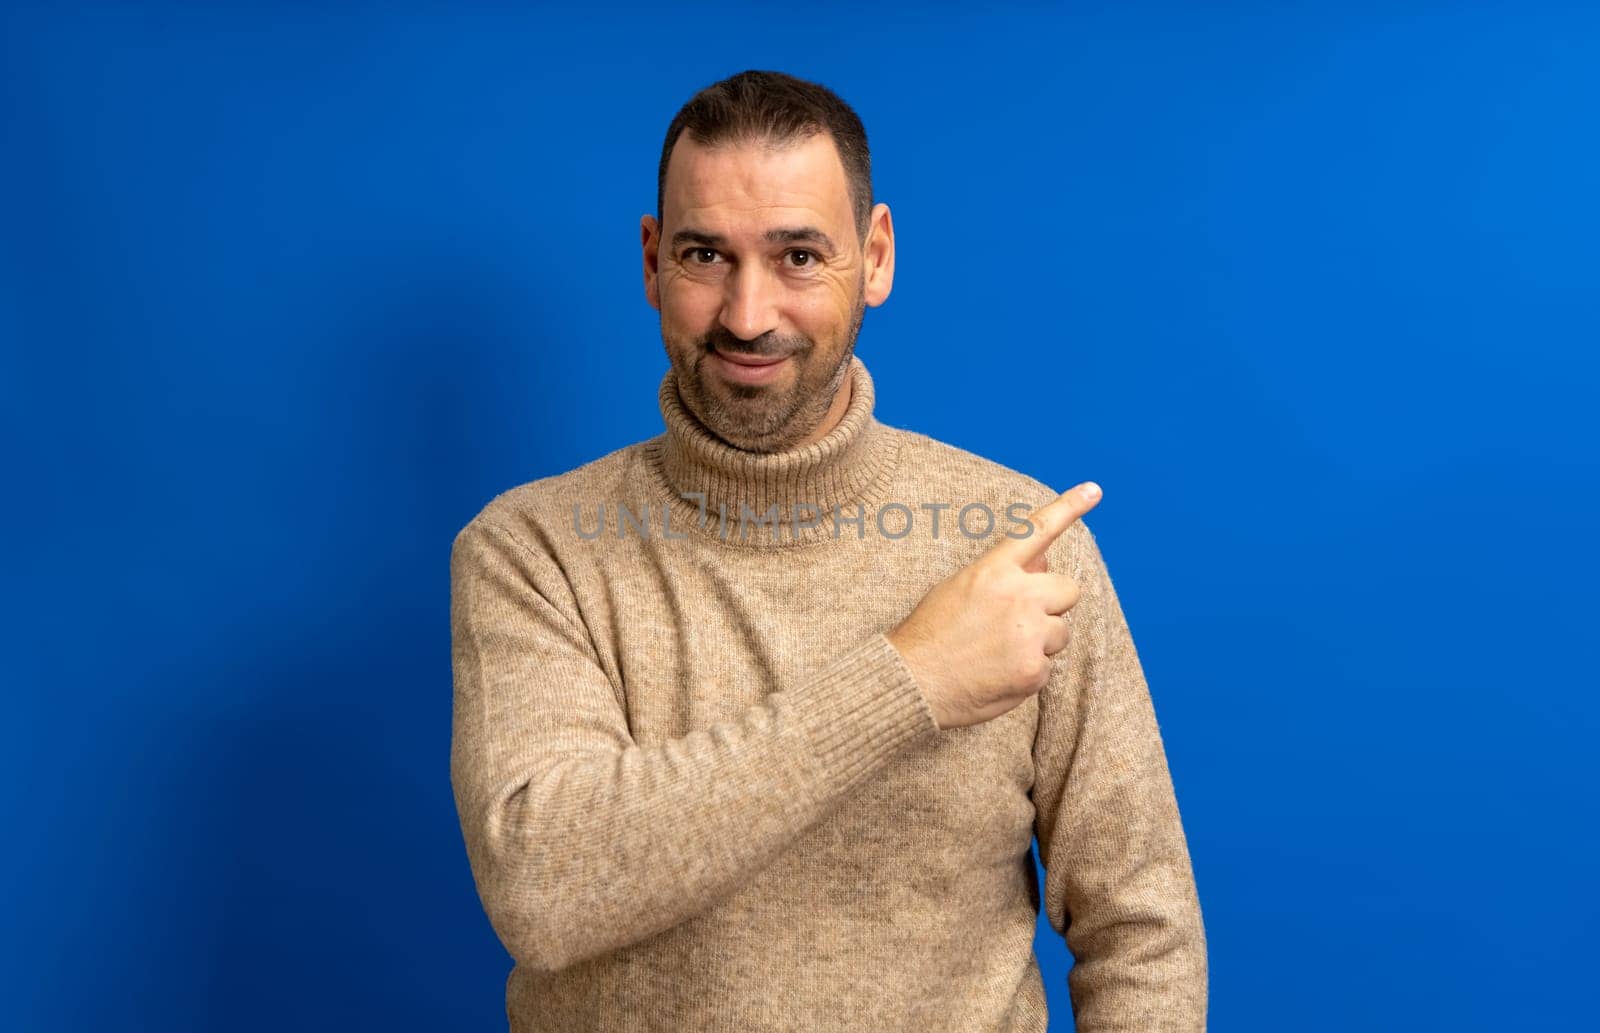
<point>749,370</point>
<point>747,359</point>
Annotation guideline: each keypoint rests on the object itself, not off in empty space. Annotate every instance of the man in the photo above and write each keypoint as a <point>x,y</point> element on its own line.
<point>746,736</point>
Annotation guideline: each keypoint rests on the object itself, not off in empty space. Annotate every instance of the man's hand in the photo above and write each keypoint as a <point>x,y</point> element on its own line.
<point>980,642</point>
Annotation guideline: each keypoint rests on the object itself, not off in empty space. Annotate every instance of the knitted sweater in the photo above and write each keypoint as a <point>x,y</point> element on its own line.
<point>701,790</point>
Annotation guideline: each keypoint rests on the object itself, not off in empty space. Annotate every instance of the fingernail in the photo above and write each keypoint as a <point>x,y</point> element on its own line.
<point>1091,490</point>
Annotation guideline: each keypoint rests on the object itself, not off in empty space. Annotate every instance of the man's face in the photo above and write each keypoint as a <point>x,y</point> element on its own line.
<point>761,284</point>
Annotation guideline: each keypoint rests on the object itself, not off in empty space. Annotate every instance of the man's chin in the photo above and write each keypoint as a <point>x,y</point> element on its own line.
<point>745,421</point>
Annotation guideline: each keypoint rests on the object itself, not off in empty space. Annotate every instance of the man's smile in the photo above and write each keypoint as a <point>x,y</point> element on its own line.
<point>744,368</point>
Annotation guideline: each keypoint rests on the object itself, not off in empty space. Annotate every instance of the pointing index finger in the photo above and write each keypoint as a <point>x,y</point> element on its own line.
<point>1049,521</point>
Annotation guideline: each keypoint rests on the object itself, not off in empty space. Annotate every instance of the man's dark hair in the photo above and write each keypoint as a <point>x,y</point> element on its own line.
<point>774,108</point>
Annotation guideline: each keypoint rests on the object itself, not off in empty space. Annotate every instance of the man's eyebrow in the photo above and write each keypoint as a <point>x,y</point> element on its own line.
<point>782,235</point>
<point>683,237</point>
<point>801,235</point>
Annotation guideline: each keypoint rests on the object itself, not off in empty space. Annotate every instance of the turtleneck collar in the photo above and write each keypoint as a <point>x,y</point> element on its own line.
<point>847,468</point>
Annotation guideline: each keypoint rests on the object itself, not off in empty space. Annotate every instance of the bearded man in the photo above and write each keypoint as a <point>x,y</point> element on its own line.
<point>757,720</point>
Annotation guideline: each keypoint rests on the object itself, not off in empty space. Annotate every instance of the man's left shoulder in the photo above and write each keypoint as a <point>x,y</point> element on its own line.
<point>939,472</point>
<point>931,462</point>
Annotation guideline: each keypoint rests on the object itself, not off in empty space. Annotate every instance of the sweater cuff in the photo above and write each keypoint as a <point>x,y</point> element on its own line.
<point>859,711</point>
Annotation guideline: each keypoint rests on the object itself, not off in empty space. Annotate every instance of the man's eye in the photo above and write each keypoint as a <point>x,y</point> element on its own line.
<point>693,254</point>
<point>808,256</point>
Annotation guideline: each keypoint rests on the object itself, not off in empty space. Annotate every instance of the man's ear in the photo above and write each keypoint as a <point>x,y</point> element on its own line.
<point>878,256</point>
<point>650,242</point>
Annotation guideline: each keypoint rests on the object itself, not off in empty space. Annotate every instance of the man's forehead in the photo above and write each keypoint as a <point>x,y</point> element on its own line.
<point>774,184</point>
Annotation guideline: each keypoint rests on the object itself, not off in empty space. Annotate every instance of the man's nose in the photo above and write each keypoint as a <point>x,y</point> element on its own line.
<point>750,306</point>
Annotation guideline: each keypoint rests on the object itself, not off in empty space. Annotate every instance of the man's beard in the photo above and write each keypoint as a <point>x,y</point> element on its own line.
<point>764,417</point>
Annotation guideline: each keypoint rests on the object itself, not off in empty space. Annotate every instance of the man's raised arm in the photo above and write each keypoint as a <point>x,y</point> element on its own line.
<point>581,841</point>
<point>1118,881</point>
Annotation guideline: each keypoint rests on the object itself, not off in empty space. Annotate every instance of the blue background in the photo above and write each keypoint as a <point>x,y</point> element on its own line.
<point>289,294</point>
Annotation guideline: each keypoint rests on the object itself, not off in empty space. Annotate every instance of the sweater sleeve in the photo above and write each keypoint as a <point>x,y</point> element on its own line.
<point>581,841</point>
<point>1118,881</point>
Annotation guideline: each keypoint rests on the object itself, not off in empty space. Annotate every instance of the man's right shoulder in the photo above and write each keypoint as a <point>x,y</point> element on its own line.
<point>533,510</point>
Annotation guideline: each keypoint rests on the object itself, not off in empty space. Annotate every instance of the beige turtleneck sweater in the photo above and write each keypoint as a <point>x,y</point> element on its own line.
<point>700,789</point>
